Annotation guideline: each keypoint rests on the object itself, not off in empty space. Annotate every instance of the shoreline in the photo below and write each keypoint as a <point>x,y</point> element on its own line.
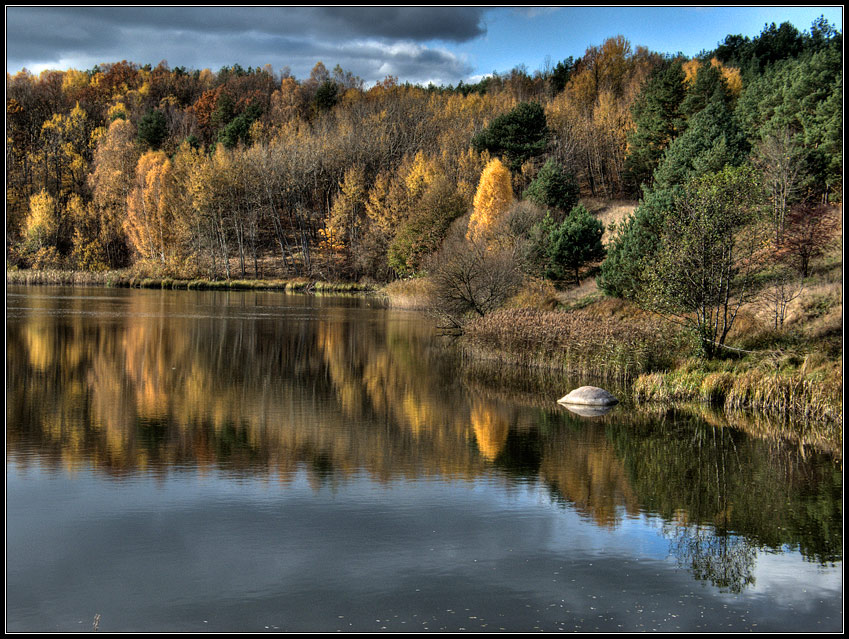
<point>118,279</point>
<point>810,400</point>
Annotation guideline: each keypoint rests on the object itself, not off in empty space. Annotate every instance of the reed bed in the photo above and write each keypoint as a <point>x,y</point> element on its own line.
<point>577,342</point>
<point>125,279</point>
<point>411,294</point>
<point>815,396</point>
<point>55,277</point>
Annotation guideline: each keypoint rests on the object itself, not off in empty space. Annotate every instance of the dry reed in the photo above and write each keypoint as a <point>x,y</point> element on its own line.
<point>578,342</point>
<point>815,396</point>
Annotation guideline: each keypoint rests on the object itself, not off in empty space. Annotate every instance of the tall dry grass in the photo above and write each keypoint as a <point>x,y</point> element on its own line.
<point>413,294</point>
<point>582,342</point>
<point>55,277</point>
<point>809,394</point>
<point>129,279</point>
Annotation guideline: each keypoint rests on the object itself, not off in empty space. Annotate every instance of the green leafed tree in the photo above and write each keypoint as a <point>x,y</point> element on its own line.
<point>710,248</point>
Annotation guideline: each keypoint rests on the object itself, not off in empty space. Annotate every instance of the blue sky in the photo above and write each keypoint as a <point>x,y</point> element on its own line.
<point>513,38</point>
<point>417,44</point>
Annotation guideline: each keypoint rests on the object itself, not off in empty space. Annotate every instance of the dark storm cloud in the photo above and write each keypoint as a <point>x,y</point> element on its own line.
<point>358,38</point>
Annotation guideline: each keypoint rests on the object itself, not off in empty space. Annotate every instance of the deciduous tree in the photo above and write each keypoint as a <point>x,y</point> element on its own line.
<point>492,199</point>
<point>710,249</point>
<point>471,278</point>
<point>811,229</point>
<point>111,181</point>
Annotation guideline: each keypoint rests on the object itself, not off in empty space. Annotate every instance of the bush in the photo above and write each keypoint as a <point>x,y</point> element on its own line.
<point>471,279</point>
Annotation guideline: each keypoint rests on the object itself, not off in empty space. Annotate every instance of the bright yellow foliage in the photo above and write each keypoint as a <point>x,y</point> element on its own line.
<point>117,110</point>
<point>492,199</point>
<point>149,225</point>
<point>691,69</point>
<point>343,225</point>
<point>490,428</point>
<point>421,174</point>
<point>731,75</point>
<point>42,223</point>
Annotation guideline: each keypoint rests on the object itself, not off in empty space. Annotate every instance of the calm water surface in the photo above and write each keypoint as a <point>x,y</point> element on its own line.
<point>193,461</point>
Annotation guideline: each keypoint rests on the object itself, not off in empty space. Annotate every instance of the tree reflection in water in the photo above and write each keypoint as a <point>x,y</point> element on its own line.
<point>262,384</point>
<point>726,561</point>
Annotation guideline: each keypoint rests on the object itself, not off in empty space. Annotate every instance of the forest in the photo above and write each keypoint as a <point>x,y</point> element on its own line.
<point>735,157</point>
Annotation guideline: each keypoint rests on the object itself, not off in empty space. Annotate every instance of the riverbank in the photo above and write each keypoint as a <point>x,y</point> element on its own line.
<point>603,338</point>
<point>610,340</point>
<point>127,279</point>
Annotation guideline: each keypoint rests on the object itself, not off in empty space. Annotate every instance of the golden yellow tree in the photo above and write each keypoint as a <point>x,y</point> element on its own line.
<point>492,199</point>
<point>42,222</point>
<point>111,181</point>
<point>344,224</point>
<point>149,226</point>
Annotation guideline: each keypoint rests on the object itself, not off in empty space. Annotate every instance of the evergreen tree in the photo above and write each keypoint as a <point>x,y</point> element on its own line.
<point>712,140</point>
<point>804,97</point>
<point>152,129</point>
<point>553,188</point>
<point>571,244</point>
<point>560,75</point>
<point>657,121</point>
<point>326,96</point>
<point>709,87</point>
<point>634,245</point>
<point>517,136</point>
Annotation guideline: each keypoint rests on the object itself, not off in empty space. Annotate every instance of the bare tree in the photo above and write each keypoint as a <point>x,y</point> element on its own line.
<point>780,159</point>
<point>777,296</point>
<point>811,229</point>
<point>471,278</point>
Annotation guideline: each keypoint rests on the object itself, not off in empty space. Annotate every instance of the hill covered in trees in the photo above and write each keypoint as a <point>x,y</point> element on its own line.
<point>249,172</point>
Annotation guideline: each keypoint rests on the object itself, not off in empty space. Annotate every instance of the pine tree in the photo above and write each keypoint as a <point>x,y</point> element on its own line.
<point>573,243</point>
<point>553,188</point>
<point>517,136</point>
<point>657,119</point>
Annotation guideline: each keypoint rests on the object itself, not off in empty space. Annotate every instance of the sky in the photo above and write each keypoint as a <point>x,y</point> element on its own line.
<point>443,45</point>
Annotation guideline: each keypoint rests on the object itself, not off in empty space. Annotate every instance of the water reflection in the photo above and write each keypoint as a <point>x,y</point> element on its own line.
<point>261,384</point>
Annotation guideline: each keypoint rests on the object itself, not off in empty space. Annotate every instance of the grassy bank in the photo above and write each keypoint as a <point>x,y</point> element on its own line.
<point>794,373</point>
<point>126,279</point>
<point>808,394</point>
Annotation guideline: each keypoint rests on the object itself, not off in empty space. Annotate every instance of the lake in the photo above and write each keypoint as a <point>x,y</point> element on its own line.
<point>252,461</point>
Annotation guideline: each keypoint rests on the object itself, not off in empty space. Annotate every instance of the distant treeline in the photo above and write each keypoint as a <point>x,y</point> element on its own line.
<point>251,172</point>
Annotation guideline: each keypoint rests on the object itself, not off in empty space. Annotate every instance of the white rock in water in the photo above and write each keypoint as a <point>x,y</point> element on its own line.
<point>589,396</point>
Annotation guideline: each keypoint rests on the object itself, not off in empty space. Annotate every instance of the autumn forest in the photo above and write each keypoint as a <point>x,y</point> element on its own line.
<point>252,172</point>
